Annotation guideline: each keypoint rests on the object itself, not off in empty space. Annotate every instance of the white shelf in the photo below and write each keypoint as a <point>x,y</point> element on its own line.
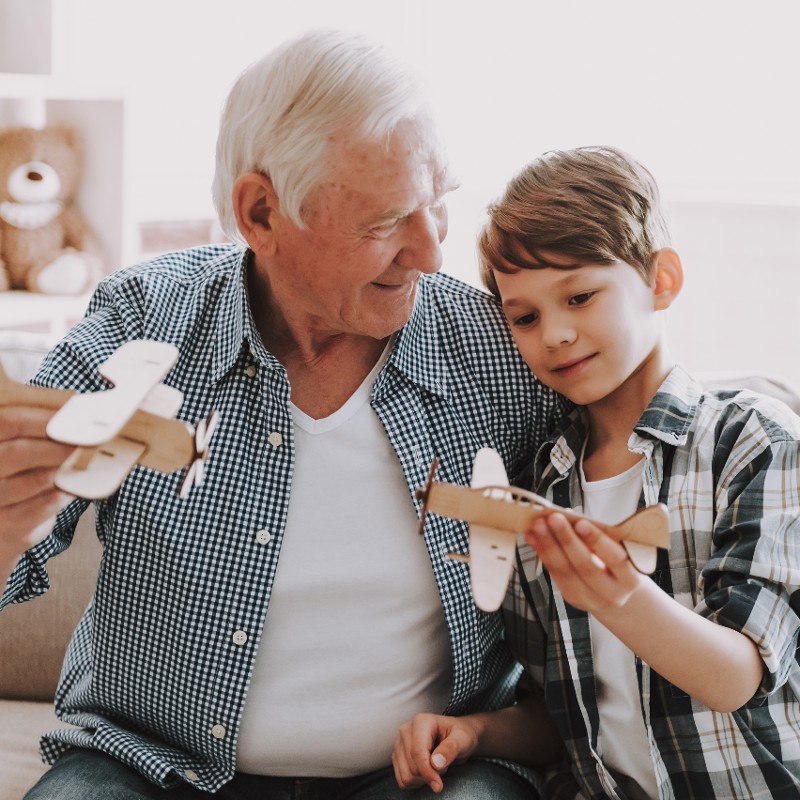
<point>47,314</point>
<point>32,94</point>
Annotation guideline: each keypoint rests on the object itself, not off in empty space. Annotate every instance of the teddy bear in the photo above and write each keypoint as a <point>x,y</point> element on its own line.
<point>46,245</point>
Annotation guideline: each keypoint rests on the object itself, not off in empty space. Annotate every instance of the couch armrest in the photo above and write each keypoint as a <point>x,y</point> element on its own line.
<point>35,634</point>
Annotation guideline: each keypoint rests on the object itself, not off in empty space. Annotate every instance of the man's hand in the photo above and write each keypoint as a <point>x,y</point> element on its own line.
<point>29,500</point>
<point>426,747</point>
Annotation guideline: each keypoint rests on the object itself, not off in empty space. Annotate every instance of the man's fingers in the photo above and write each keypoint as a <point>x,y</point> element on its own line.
<point>31,454</point>
<point>26,486</point>
<point>24,422</point>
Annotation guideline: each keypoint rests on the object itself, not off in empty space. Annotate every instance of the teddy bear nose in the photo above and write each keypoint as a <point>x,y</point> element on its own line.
<point>33,182</point>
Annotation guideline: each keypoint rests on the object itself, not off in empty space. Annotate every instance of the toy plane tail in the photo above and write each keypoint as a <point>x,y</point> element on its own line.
<point>649,526</point>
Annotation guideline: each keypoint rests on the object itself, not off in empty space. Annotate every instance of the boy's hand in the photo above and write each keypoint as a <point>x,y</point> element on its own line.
<point>592,570</point>
<point>427,745</point>
<point>29,500</point>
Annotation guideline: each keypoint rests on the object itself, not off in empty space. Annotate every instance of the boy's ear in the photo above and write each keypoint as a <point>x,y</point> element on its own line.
<point>668,278</point>
<point>255,204</point>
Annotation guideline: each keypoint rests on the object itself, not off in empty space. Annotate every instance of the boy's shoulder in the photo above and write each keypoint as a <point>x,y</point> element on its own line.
<point>687,404</point>
<point>759,383</point>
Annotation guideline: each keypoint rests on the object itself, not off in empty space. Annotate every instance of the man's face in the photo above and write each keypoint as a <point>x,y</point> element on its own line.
<point>372,229</point>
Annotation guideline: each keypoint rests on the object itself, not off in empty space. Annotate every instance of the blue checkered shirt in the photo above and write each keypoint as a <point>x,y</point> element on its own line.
<point>727,465</point>
<point>153,675</point>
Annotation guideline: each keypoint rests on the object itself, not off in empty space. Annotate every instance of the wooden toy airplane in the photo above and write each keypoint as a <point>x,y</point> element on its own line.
<point>498,513</point>
<point>120,427</point>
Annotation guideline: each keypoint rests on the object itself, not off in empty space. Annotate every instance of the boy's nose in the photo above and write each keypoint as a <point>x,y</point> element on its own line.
<point>557,332</point>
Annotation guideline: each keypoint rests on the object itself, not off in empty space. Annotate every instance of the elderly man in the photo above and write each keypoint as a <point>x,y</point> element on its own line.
<point>267,636</point>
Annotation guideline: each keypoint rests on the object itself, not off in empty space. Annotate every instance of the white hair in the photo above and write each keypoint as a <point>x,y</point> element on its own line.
<point>280,113</point>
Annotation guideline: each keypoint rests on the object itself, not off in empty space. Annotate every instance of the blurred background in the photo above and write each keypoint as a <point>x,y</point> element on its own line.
<point>703,92</point>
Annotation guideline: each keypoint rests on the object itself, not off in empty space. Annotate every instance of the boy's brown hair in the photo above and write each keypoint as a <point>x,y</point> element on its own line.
<point>595,204</point>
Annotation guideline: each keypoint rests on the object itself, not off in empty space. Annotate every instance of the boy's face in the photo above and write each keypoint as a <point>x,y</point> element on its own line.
<point>584,331</point>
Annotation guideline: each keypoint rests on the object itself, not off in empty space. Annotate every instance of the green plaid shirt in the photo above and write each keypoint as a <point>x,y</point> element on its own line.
<point>727,465</point>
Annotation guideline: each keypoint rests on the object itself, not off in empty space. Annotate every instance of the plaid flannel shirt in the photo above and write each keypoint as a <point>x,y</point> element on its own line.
<point>727,465</point>
<point>155,674</point>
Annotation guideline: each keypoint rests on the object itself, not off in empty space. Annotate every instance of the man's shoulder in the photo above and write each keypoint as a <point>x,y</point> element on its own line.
<point>446,290</point>
<point>181,268</point>
<point>461,311</point>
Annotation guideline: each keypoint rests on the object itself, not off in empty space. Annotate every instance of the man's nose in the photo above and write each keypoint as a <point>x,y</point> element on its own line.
<point>425,233</point>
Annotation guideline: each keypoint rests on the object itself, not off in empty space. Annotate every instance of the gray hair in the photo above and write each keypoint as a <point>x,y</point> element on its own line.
<point>281,111</point>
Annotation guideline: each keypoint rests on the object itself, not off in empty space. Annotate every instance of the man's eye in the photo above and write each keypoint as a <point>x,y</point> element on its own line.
<point>381,231</point>
<point>581,299</point>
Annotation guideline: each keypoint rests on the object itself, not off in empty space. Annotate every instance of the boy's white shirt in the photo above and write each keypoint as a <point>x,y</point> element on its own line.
<point>623,739</point>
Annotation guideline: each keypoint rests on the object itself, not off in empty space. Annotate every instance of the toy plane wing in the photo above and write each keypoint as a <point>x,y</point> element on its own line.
<point>118,428</point>
<point>501,512</point>
<point>491,550</point>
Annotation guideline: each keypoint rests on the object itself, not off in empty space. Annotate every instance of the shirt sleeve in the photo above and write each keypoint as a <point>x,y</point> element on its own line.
<point>750,582</point>
<point>72,364</point>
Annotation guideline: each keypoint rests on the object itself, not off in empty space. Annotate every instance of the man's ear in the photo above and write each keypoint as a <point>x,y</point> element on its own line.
<point>668,278</point>
<point>255,205</point>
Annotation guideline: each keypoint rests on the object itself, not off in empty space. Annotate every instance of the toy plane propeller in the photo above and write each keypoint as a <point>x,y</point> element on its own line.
<point>498,513</point>
<point>113,430</point>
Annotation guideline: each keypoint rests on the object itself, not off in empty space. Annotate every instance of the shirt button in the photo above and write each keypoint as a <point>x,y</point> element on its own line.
<point>191,775</point>
<point>262,537</point>
<point>250,371</point>
<point>218,731</point>
<point>275,439</point>
<point>239,637</point>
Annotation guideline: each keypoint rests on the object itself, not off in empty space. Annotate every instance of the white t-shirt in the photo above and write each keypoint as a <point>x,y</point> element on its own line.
<point>355,640</point>
<point>623,737</point>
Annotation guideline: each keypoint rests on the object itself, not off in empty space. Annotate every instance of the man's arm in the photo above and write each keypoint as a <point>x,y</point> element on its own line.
<point>29,500</point>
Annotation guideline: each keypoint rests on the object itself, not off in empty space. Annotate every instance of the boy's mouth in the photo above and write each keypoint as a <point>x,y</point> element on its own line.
<point>573,366</point>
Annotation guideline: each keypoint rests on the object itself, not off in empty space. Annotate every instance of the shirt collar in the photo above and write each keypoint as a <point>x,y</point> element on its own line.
<point>672,410</point>
<point>417,351</point>
<point>234,323</point>
<point>416,354</point>
<point>668,418</point>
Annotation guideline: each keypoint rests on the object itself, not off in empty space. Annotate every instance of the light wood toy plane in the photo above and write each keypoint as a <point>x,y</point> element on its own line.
<point>113,430</point>
<point>498,513</point>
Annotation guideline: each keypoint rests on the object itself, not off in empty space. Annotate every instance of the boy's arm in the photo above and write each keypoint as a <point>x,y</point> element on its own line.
<point>682,646</point>
<point>429,744</point>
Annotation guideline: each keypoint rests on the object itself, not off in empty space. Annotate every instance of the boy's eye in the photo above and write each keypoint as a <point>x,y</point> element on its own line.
<point>524,320</point>
<point>581,299</point>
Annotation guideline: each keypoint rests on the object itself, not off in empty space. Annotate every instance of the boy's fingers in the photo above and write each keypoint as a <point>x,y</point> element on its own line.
<point>446,752</point>
<point>402,773</point>
<point>610,552</point>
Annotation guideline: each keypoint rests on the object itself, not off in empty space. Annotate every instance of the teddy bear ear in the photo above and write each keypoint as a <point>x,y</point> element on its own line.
<point>66,133</point>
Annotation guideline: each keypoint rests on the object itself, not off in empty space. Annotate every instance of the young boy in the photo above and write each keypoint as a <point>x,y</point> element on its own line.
<point>683,684</point>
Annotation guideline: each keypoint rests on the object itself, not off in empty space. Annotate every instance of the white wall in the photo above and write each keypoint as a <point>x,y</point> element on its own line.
<point>704,92</point>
